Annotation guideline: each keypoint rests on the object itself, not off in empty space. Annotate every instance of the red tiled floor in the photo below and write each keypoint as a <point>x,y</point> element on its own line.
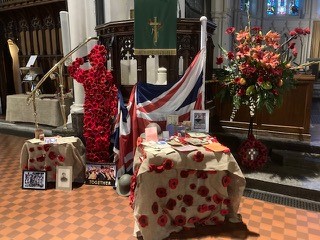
<point>96,212</point>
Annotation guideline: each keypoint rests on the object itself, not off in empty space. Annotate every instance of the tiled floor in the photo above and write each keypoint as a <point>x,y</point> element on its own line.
<point>96,212</point>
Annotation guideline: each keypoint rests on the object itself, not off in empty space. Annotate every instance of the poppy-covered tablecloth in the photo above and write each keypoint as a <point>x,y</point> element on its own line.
<point>176,190</point>
<point>67,151</point>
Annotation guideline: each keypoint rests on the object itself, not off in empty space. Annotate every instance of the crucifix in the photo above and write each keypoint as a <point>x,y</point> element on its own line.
<point>156,26</point>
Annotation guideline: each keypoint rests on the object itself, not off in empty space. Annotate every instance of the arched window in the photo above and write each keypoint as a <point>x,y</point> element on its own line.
<point>283,7</point>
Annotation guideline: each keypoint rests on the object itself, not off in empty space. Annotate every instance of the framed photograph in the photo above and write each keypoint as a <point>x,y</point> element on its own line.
<point>199,120</point>
<point>34,180</point>
<point>103,174</point>
<point>64,178</point>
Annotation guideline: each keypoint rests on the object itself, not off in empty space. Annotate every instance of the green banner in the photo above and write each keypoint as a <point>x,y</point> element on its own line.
<point>155,27</point>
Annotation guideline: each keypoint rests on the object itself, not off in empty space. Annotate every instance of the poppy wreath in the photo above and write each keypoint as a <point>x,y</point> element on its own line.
<point>100,103</point>
<point>252,153</point>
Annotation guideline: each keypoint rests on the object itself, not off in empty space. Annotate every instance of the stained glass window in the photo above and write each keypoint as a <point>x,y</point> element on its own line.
<point>283,7</point>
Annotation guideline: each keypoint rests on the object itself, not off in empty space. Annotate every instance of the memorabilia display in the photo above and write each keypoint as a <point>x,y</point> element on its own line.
<point>36,180</point>
<point>64,177</point>
<point>103,174</point>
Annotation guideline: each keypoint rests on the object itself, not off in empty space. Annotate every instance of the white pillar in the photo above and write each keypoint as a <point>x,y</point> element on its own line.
<point>78,33</point>
<point>181,8</point>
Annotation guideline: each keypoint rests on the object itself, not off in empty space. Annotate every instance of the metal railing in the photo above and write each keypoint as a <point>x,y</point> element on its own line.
<point>59,66</point>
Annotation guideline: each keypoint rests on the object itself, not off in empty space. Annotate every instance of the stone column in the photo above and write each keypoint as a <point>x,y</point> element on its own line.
<point>82,24</point>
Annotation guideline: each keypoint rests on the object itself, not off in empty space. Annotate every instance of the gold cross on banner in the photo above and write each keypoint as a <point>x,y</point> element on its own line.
<point>156,26</point>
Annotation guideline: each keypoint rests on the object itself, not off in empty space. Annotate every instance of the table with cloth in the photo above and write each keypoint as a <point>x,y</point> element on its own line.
<point>66,151</point>
<point>172,189</point>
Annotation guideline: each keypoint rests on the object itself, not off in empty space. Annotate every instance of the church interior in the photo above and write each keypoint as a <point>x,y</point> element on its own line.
<point>41,39</point>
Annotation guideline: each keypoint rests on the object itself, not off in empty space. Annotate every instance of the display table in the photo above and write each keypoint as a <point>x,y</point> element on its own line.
<point>174,189</point>
<point>48,110</point>
<point>67,151</point>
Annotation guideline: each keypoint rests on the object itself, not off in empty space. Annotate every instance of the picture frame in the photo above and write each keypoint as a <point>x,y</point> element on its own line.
<point>64,178</point>
<point>199,120</point>
<point>34,179</point>
<point>103,174</point>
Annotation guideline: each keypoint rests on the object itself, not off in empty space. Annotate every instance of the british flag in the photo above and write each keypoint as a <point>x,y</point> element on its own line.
<point>152,103</point>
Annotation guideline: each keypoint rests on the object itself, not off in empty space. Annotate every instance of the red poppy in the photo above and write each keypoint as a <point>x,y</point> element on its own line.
<point>39,148</point>
<point>202,174</point>
<point>31,149</point>
<point>180,220</point>
<point>159,169</point>
<point>198,157</point>
<point>155,208</point>
<point>184,174</point>
<point>161,192</point>
<point>183,209</point>
<point>31,160</point>
<point>173,183</point>
<point>226,180</point>
<point>46,147</point>
<point>217,199</point>
<point>226,201</point>
<point>193,220</point>
<point>61,158</point>
<point>203,208</point>
<point>224,212</point>
<point>187,199</point>
<point>203,191</point>
<point>162,220</point>
<point>52,155</point>
<point>48,168</point>
<point>211,207</point>
<point>192,186</point>
<point>41,159</point>
<point>143,221</point>
<point>171,204</point>
<point>152,167</point>
<point>168,164</point>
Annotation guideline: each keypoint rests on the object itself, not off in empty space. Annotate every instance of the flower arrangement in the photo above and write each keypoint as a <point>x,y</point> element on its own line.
<point>100,104</point>
<point>259,69</point>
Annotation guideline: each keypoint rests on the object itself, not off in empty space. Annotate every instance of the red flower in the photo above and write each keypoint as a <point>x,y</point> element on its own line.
<point>143,221</point>
<point>230,30</point>
<point>183,209</point>
<point>162,220</point>
<point>192,186</point>
<point>203,208</point>
<point>46,147</point>
<point>52,155</point>
<point>40,159</point>
<point>152,167</point>
<point>226,201</point>
<point>211,207</point>
<point>203,191</point>
<point>173,183</point>
<point>226,180</point>
<point>171,204</point>
<point>61,158</point>
<point>198,157</point>
<point>202,174</point>
<point>39,148</point>
<point>187,199</point>
<point>230,55</point>
<point>31,160</point>
<point>180,220</point>
<point>31,149</point>
<point>48,168</point>
<point>161,192</point>
<point>217,199</point>
<point>224,212</point>
<point>184,174</point>
<point>155,208</point>
<point>168,164</point>
<point>193,220</point>
<point>159,169</point>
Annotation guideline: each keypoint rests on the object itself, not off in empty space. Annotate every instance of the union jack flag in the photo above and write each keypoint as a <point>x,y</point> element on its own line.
<point>152,103</point>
